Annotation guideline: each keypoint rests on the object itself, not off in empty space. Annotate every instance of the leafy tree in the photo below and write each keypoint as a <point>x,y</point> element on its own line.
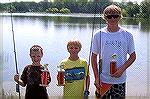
<point>132,9</point>
<point>64,10</point>
<point>43,6</point>
<point>58,5</point>
<point>52,10</point>
<point>12,8</point>
<point>21,6</point>
<point>3,7</point>
<point>136,9</point>
<point>124,13</point>
<point>145,9</point>
<point>32,6</point>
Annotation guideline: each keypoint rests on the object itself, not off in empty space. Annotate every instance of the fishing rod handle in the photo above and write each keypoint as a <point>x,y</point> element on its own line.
<point>17,88</point>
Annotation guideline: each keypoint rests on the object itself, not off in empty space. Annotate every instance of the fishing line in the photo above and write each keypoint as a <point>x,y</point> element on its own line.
<point>100,56</point>
<point>94,19</point>
<point>93,26</point>
<point>14,47</point>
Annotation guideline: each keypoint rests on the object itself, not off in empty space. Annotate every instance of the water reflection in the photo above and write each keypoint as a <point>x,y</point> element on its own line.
<point>130,21</point>
<point>142,23</point>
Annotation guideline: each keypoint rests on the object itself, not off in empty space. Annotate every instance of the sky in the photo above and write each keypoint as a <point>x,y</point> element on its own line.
<point>4,1</point>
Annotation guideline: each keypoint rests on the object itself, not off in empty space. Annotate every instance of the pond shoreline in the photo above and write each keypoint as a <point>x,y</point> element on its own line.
<point>51,14</point>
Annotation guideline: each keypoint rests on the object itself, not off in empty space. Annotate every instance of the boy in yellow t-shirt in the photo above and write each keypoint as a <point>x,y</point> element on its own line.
<point>77,78</point>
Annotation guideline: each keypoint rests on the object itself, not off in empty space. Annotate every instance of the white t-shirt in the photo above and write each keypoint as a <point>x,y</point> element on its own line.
<point>105,44</point>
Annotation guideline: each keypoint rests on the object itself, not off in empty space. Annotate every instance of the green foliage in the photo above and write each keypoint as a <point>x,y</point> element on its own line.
<point>129,9</point>
<point>124,13</point>
<point>132,9</point>
<point>145,9</point>
<point>52,10</point>
<point>21,6</point>
<point>64,10</point>
<point>55,10</point>
<point>2,8</point>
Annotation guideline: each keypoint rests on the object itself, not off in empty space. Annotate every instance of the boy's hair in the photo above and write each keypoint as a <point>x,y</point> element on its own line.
<point>36,48</point>
<point>112,9</point>
<point>74,42</point>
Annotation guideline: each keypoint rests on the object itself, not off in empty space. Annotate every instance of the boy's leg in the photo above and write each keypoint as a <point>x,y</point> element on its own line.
<point>118,91</point>
<point>106,96</point>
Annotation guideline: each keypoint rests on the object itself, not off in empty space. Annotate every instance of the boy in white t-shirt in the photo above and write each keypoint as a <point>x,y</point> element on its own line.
<point>111,40</point>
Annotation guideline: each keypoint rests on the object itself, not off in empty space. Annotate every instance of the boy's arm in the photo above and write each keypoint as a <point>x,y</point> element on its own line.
<point>87,82</point>
<point>129,61</point>
<point>127,64</point>
<point>95,70</point>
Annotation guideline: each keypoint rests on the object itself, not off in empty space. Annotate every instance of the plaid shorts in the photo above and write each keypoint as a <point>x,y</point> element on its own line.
<point>117,91</point>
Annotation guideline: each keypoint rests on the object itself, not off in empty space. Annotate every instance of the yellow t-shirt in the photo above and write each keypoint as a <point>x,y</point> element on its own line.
<point>75,88</point>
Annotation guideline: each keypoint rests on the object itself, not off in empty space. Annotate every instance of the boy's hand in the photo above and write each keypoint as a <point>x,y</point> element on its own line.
<point>97,84</point>
<point>86,93</point>
<point>118,73</point>
<point>16,78</point>
<point>49,77</point>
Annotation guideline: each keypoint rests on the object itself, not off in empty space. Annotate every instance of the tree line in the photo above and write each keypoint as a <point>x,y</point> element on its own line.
<point>129,9</point>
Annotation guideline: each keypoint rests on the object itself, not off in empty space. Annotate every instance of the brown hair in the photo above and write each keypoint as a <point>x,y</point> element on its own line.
<point>112,9</point>
<point>36,48</point>
<point>74,42</point>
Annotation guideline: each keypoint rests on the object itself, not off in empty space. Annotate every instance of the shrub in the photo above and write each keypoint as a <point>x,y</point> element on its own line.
<point>65,10</point>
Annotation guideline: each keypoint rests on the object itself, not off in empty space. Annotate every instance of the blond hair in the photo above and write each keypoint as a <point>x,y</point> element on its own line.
<point>36,48</point>
<point>74,42</point>
<point>112,9</point>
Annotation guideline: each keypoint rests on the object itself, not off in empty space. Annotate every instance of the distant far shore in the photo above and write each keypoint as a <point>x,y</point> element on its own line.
<point>50,14</point>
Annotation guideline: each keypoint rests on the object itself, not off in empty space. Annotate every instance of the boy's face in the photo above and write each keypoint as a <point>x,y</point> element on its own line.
<point>112,19</point>
<point>112,15</point>
<point>36,56</point>
<point>73,49</point>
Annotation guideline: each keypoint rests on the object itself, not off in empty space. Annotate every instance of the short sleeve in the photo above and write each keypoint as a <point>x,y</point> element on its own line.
<point>24,75</point>
<point>86,68</point>
<point>131,46</point>
<point>95,45</point>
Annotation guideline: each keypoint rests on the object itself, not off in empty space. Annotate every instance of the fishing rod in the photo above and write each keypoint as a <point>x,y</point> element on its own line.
<point>14,48</point>
<point>93,26</point>
<point>100,56</point>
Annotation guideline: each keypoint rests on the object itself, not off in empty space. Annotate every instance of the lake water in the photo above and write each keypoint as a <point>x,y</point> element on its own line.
<point>52,33</point>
